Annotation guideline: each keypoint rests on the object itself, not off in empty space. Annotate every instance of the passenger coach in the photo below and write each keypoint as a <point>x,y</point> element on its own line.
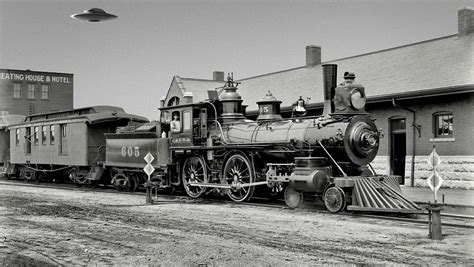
<point>66,143</point>
<point>5,121</point>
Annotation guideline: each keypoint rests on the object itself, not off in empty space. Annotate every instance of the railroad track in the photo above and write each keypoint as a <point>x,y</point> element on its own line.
<point>450,220</point>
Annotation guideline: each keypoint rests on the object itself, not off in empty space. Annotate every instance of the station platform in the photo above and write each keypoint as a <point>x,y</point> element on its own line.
<point>455,200</point>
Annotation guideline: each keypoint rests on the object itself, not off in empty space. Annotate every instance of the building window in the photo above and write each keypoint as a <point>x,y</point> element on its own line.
<point>36,137</point>
<point>44,91</point>
<point>17,137</point>
<point>43,135</point>
<point>443,123</point>
<point>51,135</point>
<point>31,91</point>
<point>174,101</point>
<point>16,90</point>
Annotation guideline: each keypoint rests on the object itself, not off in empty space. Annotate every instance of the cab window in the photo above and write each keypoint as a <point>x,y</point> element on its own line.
<point>175,125</point>
<point>186,121</point>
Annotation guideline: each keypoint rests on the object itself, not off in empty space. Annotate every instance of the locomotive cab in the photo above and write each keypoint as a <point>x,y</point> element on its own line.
<point>184,125</point>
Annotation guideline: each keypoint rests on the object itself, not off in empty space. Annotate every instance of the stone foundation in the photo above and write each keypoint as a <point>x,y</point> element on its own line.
<point>456,171</point>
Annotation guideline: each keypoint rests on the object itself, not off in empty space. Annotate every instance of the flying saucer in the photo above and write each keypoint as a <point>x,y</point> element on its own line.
<point>94,15</point>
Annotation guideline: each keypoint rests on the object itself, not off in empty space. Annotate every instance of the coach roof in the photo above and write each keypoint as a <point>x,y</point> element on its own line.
<point>7,120</point>
<point>93,115</point>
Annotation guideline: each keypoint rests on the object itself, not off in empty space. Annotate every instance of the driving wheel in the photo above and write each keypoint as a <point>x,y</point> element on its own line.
<point>237,172</point>
<point>194,171</point>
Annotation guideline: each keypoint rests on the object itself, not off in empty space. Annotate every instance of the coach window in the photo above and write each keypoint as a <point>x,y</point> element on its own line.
<point>63,139</point>
<point>17,137</point>
<point>51,135</point>
<point>31,91</point>
<point>16,91</point>
<point>44,92</point>
<point>443,125</point>
<point>43,135</point>
<point>36,136</point>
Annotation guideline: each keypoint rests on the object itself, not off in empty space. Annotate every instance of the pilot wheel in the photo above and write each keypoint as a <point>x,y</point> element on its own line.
<point>293,198</point>
<point>334,199</point>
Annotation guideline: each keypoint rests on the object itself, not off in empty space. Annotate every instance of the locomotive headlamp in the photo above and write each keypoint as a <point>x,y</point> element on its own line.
<point>357,99</point>
<point>369,139</point>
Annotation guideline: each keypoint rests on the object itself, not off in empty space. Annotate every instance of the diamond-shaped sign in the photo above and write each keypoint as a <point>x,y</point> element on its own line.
<point>149,158</point>
<point>433,159</point>
<point>434,182</point>
<point>149,169</point>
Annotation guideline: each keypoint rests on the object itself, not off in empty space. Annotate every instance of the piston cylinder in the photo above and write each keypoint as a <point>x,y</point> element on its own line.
<point>311,174</point>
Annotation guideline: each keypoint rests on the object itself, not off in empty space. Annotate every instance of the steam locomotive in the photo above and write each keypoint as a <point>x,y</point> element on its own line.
<point>211,146</point>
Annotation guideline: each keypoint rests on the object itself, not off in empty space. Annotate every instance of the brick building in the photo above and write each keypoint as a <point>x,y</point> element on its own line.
<point>421,95</point>
<point>26,92</point>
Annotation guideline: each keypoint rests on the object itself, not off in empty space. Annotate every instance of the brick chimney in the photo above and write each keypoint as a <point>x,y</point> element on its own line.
<point>465,21</point>
<point>218,76</point>
<point>313,55</point>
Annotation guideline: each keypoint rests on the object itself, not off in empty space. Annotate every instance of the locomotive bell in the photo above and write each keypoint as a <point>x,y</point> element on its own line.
<point>269,107</point>
<point>349,96</point>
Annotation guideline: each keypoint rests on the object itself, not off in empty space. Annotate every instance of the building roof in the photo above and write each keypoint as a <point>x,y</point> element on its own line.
<point>198,87</point>
<point>445,62</point>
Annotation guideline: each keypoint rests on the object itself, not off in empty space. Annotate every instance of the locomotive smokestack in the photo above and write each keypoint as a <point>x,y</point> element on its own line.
<point>329,83</point>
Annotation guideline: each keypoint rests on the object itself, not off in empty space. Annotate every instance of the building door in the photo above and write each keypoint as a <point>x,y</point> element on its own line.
<point>398,147</point>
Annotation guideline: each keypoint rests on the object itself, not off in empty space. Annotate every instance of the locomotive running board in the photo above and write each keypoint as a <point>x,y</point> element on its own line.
<point>378,194</point>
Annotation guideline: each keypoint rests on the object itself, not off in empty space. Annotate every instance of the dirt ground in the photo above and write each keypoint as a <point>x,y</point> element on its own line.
<point>41,226</point>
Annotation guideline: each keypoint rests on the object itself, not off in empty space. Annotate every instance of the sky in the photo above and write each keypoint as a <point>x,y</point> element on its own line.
<point>130,61</point>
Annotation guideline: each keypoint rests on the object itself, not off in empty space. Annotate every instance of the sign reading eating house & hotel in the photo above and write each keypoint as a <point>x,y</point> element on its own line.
<point>34,77</point>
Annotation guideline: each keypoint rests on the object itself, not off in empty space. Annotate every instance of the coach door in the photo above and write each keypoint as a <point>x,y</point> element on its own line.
<point>398,146</point>
<point>28,140</point>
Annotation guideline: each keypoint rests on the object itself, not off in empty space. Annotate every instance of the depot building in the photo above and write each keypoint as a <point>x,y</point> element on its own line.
<point>421,95</point>
<point>24,92</point>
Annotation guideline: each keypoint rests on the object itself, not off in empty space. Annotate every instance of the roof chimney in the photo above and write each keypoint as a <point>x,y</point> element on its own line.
<point>218,76</point>
<point>313,55</point>
<point>465,21</point>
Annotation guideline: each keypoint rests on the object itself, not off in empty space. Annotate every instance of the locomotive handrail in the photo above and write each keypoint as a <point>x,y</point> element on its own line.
<point>215,119</point>
<point>329,155</point>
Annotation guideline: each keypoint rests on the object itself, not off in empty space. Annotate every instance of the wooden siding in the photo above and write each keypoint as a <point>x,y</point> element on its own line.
<point>49,153</point>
